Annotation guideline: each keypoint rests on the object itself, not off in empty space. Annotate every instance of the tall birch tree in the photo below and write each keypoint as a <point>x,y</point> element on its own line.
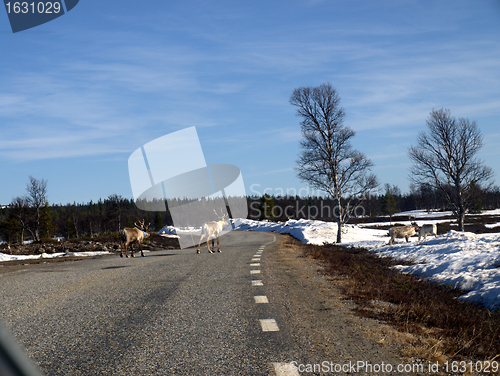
<point>328,161</point>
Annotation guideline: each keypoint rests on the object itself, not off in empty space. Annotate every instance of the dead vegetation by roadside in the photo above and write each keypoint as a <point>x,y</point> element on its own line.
<point>109,243</point>
<point>436,326</point>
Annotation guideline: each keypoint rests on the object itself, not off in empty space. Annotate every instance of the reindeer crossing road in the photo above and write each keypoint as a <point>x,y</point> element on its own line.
<point>129,236</point>
<point>210,230</point>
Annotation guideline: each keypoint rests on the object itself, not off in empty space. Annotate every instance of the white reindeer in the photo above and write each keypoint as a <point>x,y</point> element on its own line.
<point>129,236</point>
<point>212,230</point>
<point>402,232</point>
<point>427,230</point>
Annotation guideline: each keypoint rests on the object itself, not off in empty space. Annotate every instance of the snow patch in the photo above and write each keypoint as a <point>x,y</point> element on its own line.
<point>6,257</point>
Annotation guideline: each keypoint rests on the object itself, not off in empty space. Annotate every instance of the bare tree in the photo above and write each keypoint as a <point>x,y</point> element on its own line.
<point>445,159</point>
<point>19,211</point>
<point>327,161</point>
<point>36,198</point>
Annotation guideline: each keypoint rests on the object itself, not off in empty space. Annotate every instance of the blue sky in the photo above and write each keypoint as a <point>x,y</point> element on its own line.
<point>79,94</point>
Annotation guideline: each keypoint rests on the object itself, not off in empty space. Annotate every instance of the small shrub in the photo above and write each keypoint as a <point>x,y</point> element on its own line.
<point>48,241</point>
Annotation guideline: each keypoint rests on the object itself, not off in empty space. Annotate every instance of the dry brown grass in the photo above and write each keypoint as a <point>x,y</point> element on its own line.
<point>441,327</point>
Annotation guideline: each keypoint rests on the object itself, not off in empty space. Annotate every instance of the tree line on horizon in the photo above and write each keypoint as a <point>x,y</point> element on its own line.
<point>28,219</point>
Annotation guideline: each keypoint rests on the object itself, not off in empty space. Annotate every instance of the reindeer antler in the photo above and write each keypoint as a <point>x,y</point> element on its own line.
<point>141,225</point>
<point>221,215</point>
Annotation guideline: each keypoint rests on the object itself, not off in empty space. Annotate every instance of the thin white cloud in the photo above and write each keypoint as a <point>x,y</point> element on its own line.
<point>122,82</point>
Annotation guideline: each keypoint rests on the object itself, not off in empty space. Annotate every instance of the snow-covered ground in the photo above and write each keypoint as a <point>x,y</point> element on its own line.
<point>460,259</point>
<point>6,257</point>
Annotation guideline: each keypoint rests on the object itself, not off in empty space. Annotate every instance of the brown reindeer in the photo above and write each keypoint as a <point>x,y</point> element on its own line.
<point>129,236</point>
<point>212,230</point>
<point>403,232</point>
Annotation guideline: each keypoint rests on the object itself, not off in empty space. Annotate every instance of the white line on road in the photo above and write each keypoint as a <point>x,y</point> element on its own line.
<point>255,259</point>
<point>269,325</point>
<point>261,299</point>
<point>257,282</point>
<point>254,271</point>
<point>256,264</point>
<point>284,369</point>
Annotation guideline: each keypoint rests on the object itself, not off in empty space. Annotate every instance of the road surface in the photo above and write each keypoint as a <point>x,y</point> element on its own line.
<point>176,312</point>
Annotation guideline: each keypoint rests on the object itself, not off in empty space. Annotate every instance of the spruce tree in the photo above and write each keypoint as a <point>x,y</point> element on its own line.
<point>389,205</point>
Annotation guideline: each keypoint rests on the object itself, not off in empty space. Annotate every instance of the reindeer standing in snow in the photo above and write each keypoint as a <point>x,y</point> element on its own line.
<point>129,236</point>
<point>212,230</point>
<point>427,230</point>
<point>403,232</point>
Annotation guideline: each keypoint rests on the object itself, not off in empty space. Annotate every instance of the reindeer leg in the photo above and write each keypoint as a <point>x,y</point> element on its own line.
<point>218,245</point>
<point>121,249</point>
<point>140,246</point>
<point>199,244</point>
<point>132,250</point>
<point>208,245</point>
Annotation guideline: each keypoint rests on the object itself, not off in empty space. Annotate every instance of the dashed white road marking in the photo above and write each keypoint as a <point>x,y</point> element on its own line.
<point>256,255</point>
<point>257,282</point>
<point>254,271</point>
<point>269,325</point>
<point>256,264</point>
<point>261,299</point>
<point>284,369</point>
<point>255,259</point>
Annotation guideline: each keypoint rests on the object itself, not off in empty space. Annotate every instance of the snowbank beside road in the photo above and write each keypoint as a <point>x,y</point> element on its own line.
<point>460,259</point>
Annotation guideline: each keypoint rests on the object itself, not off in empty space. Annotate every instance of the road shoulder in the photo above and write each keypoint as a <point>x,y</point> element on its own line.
<point>319,317</point>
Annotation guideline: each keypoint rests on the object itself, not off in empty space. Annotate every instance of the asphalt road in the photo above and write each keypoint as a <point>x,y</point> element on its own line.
<point>170,313</point>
